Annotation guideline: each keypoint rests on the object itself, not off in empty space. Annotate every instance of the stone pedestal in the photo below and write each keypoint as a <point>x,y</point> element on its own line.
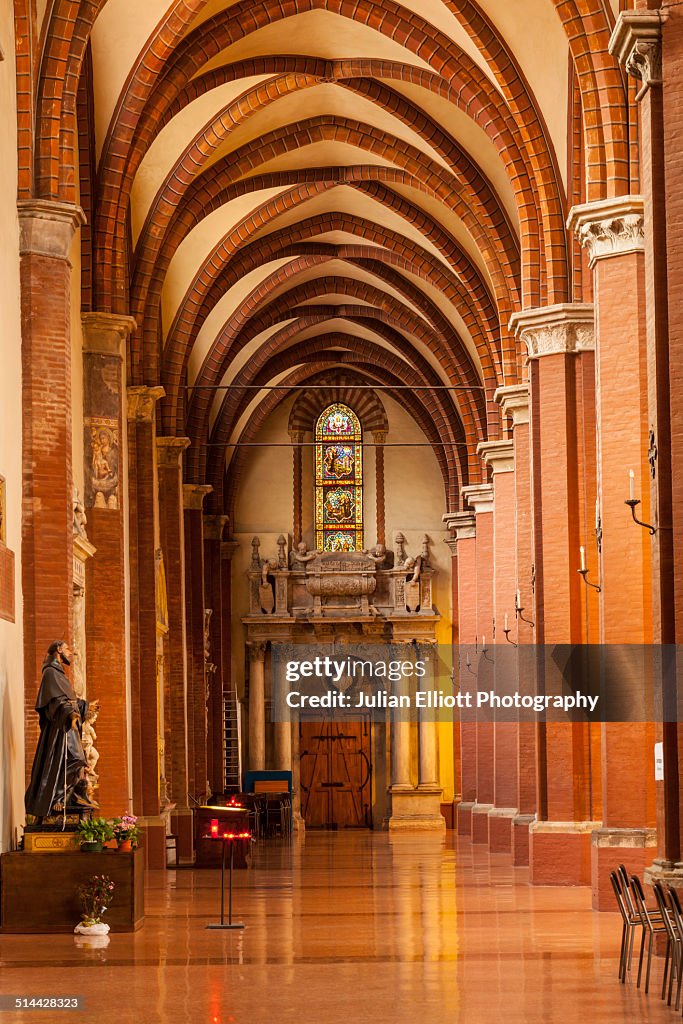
<point>416,810</point>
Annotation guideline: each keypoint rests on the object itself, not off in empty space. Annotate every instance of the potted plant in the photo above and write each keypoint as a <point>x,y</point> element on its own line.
<point>95,896</point>
<point>93,832</point>
<point>126,832</point>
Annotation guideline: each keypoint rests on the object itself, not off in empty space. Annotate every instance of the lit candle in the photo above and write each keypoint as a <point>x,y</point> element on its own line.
<point>483,643</point>
<point>583,559</point>
<point>632,484</point>
<point>506,622</point>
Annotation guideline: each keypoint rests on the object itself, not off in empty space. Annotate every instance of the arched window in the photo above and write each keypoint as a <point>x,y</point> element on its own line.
<point>338,480</point>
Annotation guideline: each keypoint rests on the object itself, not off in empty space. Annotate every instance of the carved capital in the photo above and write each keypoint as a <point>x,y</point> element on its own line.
<point>636,42</point>
<point>194,494</point>
<point>142,403</point>
<point>257,650</point>
<point>499,455</point>
<point>47,227</point>
<point>463,524</point>
<point>106,332</point>
<point>379,436</point>
<point>479,497</point>
<point>514,402</point>
<point>214,527</point>
<point>553,330</point>
<point>170,451</point>
<point>609,227</point>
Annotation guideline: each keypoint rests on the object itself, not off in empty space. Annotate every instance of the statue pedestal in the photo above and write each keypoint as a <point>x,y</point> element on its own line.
<point>416,810</point>
<point>39,891</point>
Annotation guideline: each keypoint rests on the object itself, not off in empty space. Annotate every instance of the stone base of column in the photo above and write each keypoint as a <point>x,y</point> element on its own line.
<point>521,824</point>
<point>154,832</point>
<point>416,810</point>
<point>560,852</point>
<point>182,824</point>
<point>665,871</point>
<point>463,818</point>
<point>480,822</point>
<point>633,847</point>
<point>500,829</point>
<point>298,823</point>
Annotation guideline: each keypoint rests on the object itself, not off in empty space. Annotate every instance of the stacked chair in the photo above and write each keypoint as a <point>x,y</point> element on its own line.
<point>666,919</point>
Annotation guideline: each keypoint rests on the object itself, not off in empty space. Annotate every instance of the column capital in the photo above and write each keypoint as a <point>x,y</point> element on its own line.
<point>636,42</point>
<point>257,650</point>
<point>106,333</point>
<point>609,227</point>
<point>552,330</point>
<point>479,497</point>
<point>170,451</point>
<point>513,400</point>
<point>142,403</point>
<point>499,455</point>
<point>379,437</point>
<point>194,494</point>
<point>47,227</point>
<point>214,527</point>
<point>463,524</point>
<point>228,549</point>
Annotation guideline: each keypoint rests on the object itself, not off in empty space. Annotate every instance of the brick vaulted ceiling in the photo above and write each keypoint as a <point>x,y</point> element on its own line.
<point>277,188</point>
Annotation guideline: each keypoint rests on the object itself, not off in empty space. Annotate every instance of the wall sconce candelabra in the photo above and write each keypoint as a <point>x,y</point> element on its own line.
<point>506,630</point>
<point>633,503</point>
<point>583,571</point>
<point>519,610</point>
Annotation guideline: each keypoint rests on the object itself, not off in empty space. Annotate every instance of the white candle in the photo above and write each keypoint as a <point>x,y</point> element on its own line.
<point>632,484</point>
<point>506,622</point>
<point>518,601</point>
<point>583,558</point>
<point>597,513</point>
<point>483,643</point>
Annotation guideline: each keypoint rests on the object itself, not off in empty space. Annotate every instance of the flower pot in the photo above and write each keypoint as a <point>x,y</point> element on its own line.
<point>125,846</point>
<point>100,928</point>
<point>95,847</point>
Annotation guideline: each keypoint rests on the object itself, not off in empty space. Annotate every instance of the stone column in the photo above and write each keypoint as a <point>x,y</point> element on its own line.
<point>169,455</point>
<point>612,232</point>
<point>146,698</point>
<point>282,739</point>
<point>297,438</point>
<point>637,43</point>
<point>480,498</point>
<point>257,707</point>
<point>47,229</point>
<point>214,528</point>
<point>463,526</point>
<point>105,500</point>
<point>499,456</point>
<point>514,405</point>
<point>557,339</point>
<point>193,502</point>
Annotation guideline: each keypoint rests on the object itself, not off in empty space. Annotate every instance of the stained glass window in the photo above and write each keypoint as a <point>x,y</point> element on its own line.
<point>338,481</point>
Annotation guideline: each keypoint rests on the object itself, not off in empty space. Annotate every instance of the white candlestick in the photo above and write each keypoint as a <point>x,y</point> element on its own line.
<point>483,643</point>
<point>597,513</point>
<point>506,622</point>
<point>582,552</point>
<point>518,601</point>
<point>632,484</point>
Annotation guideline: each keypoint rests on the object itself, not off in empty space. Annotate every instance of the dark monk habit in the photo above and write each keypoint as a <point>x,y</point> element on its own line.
<point>59,755</point>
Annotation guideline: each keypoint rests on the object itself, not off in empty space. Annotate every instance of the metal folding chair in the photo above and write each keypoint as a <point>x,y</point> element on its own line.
<point>674,945</point>
<point>652,925</point>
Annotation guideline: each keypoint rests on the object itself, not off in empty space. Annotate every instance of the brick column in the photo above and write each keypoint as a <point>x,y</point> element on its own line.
<point>463,527</point>
<point>193,500</point>
<point>637,43</point>
<point>146,704</point>
<point>480,498</point>
<point>105,472</point>
<point>214,528</point>
<point>46,231</point>
<point>556,337</point>
<point>612,232</point>
<point>514,405</point>
<point>499,455</point>
<point>172,543</point>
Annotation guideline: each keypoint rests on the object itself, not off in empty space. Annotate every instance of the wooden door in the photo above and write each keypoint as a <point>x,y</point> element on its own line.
<point>336,772</point>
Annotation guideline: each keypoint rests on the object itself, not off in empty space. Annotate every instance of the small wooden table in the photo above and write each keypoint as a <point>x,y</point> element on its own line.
<point>39,891</point>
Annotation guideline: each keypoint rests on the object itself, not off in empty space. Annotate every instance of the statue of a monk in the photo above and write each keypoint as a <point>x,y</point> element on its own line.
<point>57,777</point>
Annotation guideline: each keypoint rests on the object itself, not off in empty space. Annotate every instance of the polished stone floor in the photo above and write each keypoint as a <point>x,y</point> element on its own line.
<point>345,927</point>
